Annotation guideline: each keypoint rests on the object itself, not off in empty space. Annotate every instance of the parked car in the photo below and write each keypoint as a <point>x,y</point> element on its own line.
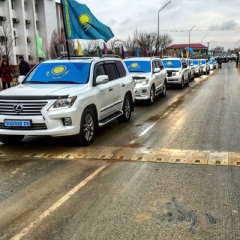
<point>206,66</point>
<point>149,77</point>
<point>67,98</point>
<point>213,64</point>
<point>177,71</point>
<point>191,69</point>
<point>198,67</point>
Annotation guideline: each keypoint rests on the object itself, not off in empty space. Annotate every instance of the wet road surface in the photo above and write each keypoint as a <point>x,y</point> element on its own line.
<point>52,191</point>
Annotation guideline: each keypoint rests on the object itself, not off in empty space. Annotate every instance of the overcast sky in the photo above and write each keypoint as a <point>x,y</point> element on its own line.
<point>126,16</point>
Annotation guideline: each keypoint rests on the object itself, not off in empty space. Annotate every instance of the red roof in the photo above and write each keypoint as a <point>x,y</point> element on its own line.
<point>192,45</point>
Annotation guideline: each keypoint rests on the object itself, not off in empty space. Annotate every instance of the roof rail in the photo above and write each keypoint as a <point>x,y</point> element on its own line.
<point>110,55</point>
<point>77,57</point>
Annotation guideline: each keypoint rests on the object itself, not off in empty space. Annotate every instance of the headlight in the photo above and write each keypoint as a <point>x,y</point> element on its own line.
<point>62,103</point>
<point>176,73</point>
<point>145,81</point>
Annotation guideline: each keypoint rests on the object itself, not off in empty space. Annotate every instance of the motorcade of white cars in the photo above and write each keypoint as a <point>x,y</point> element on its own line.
<point>198,67</point>
<point>149,77</point>
<point>206,66</point>
<point>213,64</point>
<point>67,97</point>
<point>177,71</point>
<point>191,68</point>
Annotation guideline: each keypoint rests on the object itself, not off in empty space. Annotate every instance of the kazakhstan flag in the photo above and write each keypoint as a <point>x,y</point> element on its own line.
<point>81,23</point>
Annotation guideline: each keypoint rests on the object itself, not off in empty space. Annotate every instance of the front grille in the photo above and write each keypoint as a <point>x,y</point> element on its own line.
<point>34,126</point>
<point>27,108</point>
<point>169,74</point>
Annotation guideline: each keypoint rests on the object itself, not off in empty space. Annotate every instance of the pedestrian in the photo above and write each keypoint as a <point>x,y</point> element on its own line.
<point>6,74</point>
<point>237,61</point>
<point>24,66</point>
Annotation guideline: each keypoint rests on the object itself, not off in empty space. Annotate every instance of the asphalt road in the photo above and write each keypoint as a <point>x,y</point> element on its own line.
<point>71,198</point>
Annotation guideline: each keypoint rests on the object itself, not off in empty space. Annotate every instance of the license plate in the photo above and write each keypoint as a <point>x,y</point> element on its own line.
<point>17,123</point>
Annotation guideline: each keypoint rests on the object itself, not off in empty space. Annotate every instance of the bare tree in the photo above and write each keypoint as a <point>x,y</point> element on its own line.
<point>58,38</point>
<point>6,40</point>
<point>164,41</point>
<point>219,49</point>
<point>130,45</point>
<point>92,47</point>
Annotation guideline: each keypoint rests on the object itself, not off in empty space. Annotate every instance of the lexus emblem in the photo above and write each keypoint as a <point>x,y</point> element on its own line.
<point>17,108</point>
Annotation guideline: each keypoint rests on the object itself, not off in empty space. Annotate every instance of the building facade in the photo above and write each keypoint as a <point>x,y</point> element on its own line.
<point>23,20</point>
<point>181,50</point>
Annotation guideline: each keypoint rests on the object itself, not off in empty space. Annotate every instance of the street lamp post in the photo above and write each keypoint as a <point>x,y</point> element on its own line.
<point>203,38</point>
<point>189,38</point>
<point>158,22</point>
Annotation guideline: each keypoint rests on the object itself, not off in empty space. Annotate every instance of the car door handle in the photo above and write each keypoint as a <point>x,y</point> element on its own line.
<point>123,85</point>
<point>110,89</point>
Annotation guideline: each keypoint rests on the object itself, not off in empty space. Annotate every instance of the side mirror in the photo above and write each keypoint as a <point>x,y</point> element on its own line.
<point>20,79</point>
<point>156,70</point>
<point>101,79</point>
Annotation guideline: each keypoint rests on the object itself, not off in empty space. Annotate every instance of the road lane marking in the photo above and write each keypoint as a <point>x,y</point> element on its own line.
<point>144,132</point>
<point>56,205</point>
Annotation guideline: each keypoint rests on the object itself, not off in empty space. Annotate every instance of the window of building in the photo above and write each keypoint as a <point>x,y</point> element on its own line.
<point>15,38</point>
<point>36,8</point>
<point>13,4</point>
<point>25,6</point>
<point>37,25</point>
<point>27,22</point>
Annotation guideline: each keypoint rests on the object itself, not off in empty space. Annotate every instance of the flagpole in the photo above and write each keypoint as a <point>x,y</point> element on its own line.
<point>65,31</point>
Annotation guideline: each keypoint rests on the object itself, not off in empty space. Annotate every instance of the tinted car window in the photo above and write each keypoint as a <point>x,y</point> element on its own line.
<point>111,71</point>
<point>157,65</point>
<point>121,69</point>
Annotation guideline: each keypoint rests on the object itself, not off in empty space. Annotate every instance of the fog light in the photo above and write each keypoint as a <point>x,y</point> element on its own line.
<point>144,91</point>
<point>67,121</point>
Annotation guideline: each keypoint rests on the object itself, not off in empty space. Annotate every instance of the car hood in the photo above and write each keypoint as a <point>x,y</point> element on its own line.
<point>173,69</point>
<point>43,90</point>
<point>140,74</point>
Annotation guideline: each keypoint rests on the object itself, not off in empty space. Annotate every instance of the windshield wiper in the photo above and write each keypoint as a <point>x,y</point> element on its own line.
<point>64,82</point>
<point>37,82</point>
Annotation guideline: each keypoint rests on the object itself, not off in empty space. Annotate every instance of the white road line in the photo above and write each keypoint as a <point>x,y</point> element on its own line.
<point>57,204</point>
<point>146,130</point>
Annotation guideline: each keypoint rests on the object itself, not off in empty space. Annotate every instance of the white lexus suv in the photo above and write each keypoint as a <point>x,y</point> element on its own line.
<point>177,71</point>
<point>149,77</point>
<point>67,98</point>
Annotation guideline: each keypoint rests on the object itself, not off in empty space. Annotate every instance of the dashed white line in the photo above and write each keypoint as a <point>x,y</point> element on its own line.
<point>57,204</point>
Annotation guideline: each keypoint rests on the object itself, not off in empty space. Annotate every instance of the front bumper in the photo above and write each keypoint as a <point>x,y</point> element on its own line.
<point>51,123</point>
<point>174,80</point>
<point>142,92</point>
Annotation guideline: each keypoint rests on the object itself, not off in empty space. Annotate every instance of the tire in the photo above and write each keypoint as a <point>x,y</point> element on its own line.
<point>164,90</point>
<point>193,77</point>
<point>87,129</point>
<point>182,84</point>
<point>11,139</point>
<point>188,80</point>
<point>152,95</point>
<point>127,106</point>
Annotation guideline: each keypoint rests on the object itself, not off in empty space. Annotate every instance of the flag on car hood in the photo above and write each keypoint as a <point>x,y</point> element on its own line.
<point>81,23</point>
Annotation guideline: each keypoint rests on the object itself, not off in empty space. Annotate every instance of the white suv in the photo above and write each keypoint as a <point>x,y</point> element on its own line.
<point>149,77</point>
<point>177,71</point>
<point>67,98</point>
<point>206,66</point>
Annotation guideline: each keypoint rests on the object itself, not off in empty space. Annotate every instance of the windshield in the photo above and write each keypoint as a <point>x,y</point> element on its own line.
<point>138,66</point>
<point>171,63</point>
<point>195,62</point>
<point>59,73</point>
<point>203,61</point>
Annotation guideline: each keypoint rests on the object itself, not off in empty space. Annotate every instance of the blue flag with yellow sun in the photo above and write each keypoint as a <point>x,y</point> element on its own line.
<point>82,24</point>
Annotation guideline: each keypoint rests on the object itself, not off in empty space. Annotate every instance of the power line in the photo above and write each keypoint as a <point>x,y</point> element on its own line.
<point>197,30</point>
